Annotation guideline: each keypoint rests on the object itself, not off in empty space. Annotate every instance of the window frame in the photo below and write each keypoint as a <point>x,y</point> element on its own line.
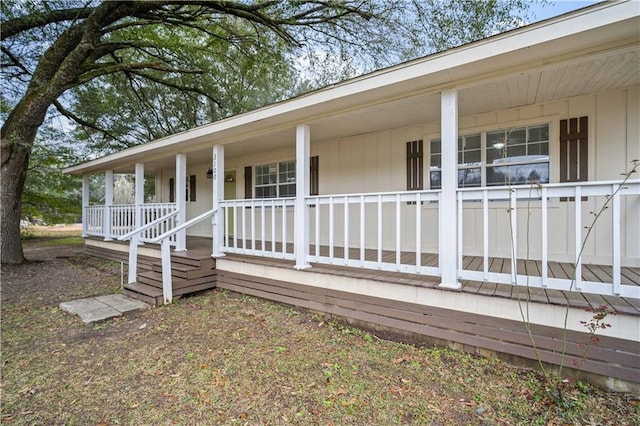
<point>436,138</point>
<point>277,174</point>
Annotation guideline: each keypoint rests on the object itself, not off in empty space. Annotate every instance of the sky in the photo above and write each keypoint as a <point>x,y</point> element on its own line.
<point>556,8</point>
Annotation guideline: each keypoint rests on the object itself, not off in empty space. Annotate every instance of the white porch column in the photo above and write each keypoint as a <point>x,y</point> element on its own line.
<point>301,217</point>
<point>139,194</point>
<point>218,194</point>
<point>181,199</point>
<point>449,179</point>
<point>108,203</point>
<point>85,202</point>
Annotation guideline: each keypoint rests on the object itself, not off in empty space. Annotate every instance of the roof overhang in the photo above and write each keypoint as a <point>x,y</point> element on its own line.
<point>607,34</point>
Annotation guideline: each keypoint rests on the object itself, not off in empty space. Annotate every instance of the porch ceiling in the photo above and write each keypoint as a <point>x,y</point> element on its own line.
<point>614,70</point>
<point>551,61</point>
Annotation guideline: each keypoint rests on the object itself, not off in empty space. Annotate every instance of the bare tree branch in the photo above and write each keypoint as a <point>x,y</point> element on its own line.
<point>174,85</point>
<point>24,23</point>
<point>70,115</point>
<point>15,61</point>
<point>101,69</point>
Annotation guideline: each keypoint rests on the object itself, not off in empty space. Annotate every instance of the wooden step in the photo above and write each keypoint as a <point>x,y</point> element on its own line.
<point>182,258</point>
<point>153,295</point>
<point>154,279</point>
<point>144,293</point>
<point>184,271</point>
<point>145,263</point>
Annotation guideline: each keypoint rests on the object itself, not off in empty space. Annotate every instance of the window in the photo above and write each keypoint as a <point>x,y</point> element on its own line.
<point>518,156</point>
<point>514,156</point>
<point>279,179</point>
<point>276,180</point>
<point>190,192</point>
<point>469,162</point>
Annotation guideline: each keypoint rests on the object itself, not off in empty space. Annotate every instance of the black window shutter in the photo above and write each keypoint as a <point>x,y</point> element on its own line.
<point>248,182</point>
<point>574,160</point>
<point>192,188</point>
<point>414,166</point>
<point>314,184</point>
<point>172,190</point>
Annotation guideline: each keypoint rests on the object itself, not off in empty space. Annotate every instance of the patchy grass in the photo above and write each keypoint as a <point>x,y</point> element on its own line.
<point>50,232</point>
<point>221,358</point>
<point>73,241</point>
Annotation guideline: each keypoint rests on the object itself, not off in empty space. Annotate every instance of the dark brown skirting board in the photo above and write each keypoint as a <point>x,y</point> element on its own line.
<point>145,263</point>
<point>611,357</point>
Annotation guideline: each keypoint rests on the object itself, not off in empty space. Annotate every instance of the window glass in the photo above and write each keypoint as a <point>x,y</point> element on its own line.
<point>539,133</point>
<point>469,177</point>
<point>518,174</point>
<point>435,146</point>
<point>473,142</point>
<point>435,164</point>
<point>434,178</point>
<point>435,161</point>
<point>470,151</point>
<point>517,151</point>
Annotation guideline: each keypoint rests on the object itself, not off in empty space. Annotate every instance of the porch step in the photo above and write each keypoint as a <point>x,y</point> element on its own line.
<point>153,295</point>
<point>145,293</point>
<point>188,275</point>
<point>183,271</point>
<point>182,259</point>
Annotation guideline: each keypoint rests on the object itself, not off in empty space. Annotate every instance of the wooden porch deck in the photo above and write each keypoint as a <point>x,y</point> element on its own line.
<point>196,246</point>
<point>199,248</point>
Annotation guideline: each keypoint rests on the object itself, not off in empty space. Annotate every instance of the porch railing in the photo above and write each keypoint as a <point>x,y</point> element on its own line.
<point>122,219</point>
<point>388,231</point>
<point>150,213</point>
<point>536,205</point>
<point>259,227</point>
<point>164,239</point>
<point>94,221</point>
<point>136,236</point>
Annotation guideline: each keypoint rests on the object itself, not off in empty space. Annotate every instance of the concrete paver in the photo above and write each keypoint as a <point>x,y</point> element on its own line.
<point>100,308</point>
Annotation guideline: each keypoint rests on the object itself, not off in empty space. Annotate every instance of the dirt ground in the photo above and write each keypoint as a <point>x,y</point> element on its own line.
<point>221,358</point>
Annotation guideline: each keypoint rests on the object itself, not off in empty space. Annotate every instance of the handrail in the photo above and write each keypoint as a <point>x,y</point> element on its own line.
<point>167,286</point>
<point>182,226</point>
<point>551,185</point>
<point>149,225</point>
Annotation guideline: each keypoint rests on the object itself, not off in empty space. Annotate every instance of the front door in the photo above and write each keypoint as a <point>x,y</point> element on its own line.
<point>230,194</point>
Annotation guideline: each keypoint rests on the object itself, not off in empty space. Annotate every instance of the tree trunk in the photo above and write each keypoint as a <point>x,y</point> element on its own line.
<point>14,172</point>
<point>18,134</point>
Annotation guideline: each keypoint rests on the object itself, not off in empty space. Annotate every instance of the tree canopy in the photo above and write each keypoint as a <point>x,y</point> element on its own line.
<point>127,72</point>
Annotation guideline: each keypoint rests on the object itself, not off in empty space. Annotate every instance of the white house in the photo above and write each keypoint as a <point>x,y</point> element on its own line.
<point>432,197</point>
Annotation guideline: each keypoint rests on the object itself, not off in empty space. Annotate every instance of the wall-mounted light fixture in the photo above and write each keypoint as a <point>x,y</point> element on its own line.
<point>210,174</point>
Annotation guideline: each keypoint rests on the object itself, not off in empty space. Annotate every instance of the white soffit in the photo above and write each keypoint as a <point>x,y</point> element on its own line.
<point>540,45</point>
